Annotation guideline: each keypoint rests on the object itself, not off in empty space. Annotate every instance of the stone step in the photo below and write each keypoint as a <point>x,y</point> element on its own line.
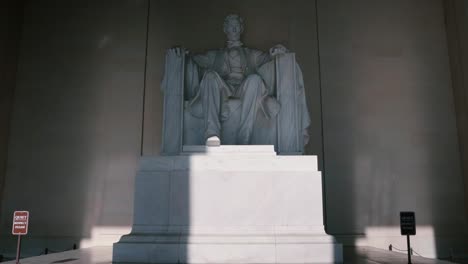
<point>251,162</point>
<point>229,150</point>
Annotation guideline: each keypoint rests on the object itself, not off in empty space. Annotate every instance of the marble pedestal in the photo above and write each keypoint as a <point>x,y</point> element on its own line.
<point>228,204</point>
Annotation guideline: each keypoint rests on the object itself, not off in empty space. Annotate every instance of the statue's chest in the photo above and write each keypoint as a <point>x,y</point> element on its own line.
<point>232,61</point>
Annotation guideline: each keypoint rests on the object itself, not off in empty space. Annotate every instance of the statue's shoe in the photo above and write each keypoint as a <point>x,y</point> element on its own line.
<point>213,141</point>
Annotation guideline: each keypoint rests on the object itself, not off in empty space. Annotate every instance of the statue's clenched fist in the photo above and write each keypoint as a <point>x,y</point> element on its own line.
<point>278,49</point>
<point>177,51</point>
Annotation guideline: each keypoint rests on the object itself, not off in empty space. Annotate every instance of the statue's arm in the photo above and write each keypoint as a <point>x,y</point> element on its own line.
<point>192,78</point>
<point>185,67</point>
<point>204,60</point>
<point>261,58</point>
<point>196,65</point>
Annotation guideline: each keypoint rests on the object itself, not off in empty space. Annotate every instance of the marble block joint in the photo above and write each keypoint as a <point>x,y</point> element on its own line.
<point>228,204</point>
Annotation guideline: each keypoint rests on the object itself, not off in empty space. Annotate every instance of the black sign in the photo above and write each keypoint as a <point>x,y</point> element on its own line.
<point>407,223</point>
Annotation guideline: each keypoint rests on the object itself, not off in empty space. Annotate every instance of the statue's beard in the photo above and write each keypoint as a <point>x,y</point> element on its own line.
<point>234,43</point>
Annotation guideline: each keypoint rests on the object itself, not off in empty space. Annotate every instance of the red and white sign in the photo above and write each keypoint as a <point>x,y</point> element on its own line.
<point>20,223</point>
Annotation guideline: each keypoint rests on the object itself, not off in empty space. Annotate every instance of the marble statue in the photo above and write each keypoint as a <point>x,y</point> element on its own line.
<point>212,79</point>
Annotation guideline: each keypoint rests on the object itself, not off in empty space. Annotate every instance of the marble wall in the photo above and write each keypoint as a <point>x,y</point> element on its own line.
<point>377,75</point>
<point>457,34</point>
<point>390,133</point>
<point>76,124</point>
<point>10,26</point>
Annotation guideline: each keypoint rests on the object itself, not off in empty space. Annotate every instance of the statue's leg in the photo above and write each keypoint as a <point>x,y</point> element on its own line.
<point>250,92</point>
<point>212,93</point>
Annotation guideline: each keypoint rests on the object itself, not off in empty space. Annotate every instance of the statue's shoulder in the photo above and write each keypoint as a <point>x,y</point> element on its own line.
<point>207,58</point>
<point>211,54</point>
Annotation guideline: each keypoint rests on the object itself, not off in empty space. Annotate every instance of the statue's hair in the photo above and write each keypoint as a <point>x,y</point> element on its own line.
<point>233,17</point>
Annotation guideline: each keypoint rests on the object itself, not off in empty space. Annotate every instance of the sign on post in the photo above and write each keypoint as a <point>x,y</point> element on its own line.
<point>408,228</point>
<point>20,223</point>
<point>20,228</point>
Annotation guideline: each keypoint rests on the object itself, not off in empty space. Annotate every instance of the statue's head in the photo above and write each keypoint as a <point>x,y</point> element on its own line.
<point>233,27</point>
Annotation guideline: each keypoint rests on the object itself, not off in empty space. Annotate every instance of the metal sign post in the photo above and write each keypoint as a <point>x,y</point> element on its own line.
<point>408,228</point>
<point>19,228</point>
<point>18,249</point>
<point>409,248</point>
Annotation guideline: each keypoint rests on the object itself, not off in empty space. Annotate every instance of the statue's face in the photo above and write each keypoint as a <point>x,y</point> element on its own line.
<point>233,29</point>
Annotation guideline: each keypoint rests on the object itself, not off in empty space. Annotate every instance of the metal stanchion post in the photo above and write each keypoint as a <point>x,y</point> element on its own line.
<point>409,249</point>
<point>18,249</point>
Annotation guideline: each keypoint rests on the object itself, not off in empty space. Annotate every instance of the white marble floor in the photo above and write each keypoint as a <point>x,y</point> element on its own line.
<point>94,255</point>
<point>103,255</point>
<point>370,255</point>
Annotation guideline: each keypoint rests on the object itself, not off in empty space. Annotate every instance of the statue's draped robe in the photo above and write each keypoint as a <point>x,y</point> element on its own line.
<point>200,67</point>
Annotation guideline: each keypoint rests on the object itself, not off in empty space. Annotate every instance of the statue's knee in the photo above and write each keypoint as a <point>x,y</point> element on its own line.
<point>253,84</point>
<point>211,76</point>
<point>211,82</point>
<point>254,78</point>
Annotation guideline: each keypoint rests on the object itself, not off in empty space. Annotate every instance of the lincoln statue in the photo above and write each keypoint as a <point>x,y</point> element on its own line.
<point>233,72</point>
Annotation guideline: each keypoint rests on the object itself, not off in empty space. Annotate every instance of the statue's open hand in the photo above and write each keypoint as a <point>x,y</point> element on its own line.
<point>278,49</point>
<point>177,51</point>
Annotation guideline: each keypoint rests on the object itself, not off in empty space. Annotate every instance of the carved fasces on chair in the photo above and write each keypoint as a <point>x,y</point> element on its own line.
<point>173,89</point>
<point>289,121</point>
